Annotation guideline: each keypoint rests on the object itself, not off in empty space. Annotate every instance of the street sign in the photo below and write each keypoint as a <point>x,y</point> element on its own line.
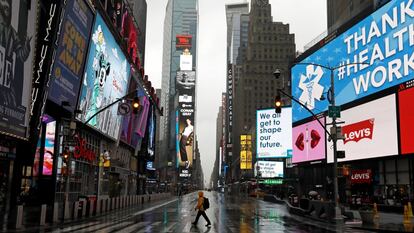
<point>334,111</point>
<point>124,109</point>
<point>340,154</point>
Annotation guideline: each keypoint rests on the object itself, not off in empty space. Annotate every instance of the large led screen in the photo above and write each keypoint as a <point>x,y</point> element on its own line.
<point>268,169</point>
<point>309,142</point>
<point>370,131</point>
<point>71,53</point>
<point>105,80</point>
<point>17,46</point>
<point>384,40</point>
<point>405,106</point>
<point>274,133</point>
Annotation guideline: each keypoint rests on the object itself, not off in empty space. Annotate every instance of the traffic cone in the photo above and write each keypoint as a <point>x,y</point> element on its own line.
<point>410,210</point>
<point>375,210</point>
<point>406,218</point>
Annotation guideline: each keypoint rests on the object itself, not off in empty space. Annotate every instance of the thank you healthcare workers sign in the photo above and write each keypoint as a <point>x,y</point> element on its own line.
<point>383,40</point>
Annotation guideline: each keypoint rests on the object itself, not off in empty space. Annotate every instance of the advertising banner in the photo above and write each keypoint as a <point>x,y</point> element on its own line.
<point>17,48</point>
<point>183,41</point>
<point>105,80</point>
<point>129,33</point>
<point>71,53</point>
<point>186,116</point>
<point>370,131</point>
<point>274,133</point>
<point>383,40</point>
<point>268,169</point>
<point>309,142</point>
<point>246,152</point>
<point>186,62</point>
<point>405,103</point>
<point>151,129</point>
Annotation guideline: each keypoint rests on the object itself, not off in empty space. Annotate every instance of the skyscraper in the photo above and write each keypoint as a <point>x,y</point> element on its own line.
<point>270,46</point>
<point>179,44</point>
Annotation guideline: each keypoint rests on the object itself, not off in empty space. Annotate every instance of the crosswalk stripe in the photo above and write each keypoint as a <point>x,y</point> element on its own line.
<point>149,227</point>
<point>170,227</point>
<point>76,227</point>
<point>133,227</point>
<point>114,227</point>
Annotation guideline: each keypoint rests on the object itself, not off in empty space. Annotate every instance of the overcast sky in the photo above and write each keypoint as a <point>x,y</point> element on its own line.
<point>307,19</point>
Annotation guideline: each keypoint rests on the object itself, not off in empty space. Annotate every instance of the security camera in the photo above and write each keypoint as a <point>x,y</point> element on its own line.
<point>276,73</point>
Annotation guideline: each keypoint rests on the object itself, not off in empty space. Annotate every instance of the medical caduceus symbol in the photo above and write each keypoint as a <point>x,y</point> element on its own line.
<point>309,83</point>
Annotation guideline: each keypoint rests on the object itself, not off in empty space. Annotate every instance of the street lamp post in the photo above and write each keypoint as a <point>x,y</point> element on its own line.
<point>333,135</point>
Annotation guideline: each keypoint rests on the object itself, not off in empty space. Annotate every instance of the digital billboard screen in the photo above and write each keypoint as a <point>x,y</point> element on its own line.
<point>383,40</point>
<point>274,133</point>
<point>105,80</point>
<point>406,110</point>
<point>71,53</point>
<point>309,142</point>
<point>185,121</point>
<point>370,131</point>
<point>269,169</point>
<point>17,48</point>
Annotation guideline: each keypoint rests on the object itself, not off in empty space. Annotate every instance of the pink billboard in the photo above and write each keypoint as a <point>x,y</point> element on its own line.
<point>309,142</point>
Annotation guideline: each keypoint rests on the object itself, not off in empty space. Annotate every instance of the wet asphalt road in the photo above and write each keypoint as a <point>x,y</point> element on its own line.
<point>227,214</point>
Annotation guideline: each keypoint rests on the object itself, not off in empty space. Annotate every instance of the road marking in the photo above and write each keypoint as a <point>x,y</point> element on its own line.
<point>115,227</point>
<point>133,228</point>
<point>154,207</point>
<point>76,227</point>
<point>170,227</point>
<point>149,228</point>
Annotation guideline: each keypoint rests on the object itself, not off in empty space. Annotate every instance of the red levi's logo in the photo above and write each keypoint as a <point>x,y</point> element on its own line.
<point>357,131</point>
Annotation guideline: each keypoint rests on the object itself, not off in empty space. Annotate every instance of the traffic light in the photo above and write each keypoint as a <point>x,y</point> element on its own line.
<point>135,105</point>
<point>65,155</point>
<point>278,104</point>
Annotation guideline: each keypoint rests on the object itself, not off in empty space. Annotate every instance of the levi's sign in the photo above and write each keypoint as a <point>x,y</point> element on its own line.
<point>361,176</point>
<point>383,44</point>
<point>357,131</point>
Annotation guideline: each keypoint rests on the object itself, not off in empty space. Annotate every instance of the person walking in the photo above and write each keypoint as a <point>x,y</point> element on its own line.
<point>201,210</point>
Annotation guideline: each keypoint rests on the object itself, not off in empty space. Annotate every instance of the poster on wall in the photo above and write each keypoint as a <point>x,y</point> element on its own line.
<point>405,103</point>
<point>370,131</point>
<point>246,152</point>
<point>383,40</point>
<point>71,53</point>
<point>309,142</point>
<point>105,80</point>
<point>274,133</point>
<point>16,64</point>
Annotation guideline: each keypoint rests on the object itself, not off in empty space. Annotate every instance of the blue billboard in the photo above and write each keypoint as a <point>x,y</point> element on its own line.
<point>105,80</point>
<point>71,53</point>
<point>383,41</point>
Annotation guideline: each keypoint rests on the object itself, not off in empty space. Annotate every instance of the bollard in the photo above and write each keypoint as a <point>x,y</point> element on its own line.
<point>375,211</point>
<point>75,209</point>
<point>91,207</point>
<point>67,210</point>
<point>407,219</point>
<point>98,206</point>
<point>55,212</point>
<point>19,217</point>
<point>43,215</point>
<point>410,210</point>
<point>84,202</point>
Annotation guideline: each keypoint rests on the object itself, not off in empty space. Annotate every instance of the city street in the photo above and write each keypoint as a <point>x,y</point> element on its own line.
<point>227,214</point>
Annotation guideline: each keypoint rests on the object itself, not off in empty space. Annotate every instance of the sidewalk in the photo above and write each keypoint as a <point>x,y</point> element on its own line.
<point>110,215</point>
<point>387,222</point>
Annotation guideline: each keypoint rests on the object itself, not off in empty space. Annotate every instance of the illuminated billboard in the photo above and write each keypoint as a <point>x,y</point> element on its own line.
<point>406,110</point>
<point>16,64</point>
<point>105,80</point>
<point>246,152</point>
<point>268,169</point>
<point>183,41</point>
<point>185,82</point>
<point>383,40</point>
<point>370,131</point>
<point>274,133</point>
<point>71,54</point>
<point>309,142</point>
<point>186,62</point>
